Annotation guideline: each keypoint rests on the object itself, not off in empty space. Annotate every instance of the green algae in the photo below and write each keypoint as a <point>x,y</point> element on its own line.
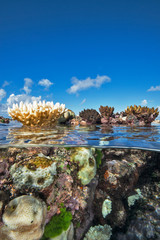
<point>57,224</point>
<point>98,153</point>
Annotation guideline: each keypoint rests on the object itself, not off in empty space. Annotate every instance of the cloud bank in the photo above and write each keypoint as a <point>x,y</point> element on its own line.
<point>144,102</point>
<point>5,84</point>
<point>80,85</point>
<point>2,93</point>
<point>28,83</point>
<point>153,89</point>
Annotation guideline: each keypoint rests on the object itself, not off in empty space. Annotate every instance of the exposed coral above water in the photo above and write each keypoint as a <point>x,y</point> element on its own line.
<point>91,116</point>
<point>37,114</point>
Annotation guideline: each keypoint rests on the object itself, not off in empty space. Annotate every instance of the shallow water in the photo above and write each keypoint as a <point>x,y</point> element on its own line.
<point>13,134</point>
<point>128,164</point>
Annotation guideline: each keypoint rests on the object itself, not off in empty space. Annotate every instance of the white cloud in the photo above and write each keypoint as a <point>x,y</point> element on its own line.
<point>2,94</point>
<point>21,97</point>
<point>28,83</point>
<point>5,84</point>
<point>45,83</point>
<point>153,89</point>
<point>83,101</point>
<point>144,102</point>
<point>79,85</point>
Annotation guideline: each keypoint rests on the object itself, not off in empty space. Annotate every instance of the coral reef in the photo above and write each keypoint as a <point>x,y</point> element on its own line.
<point>36,173</point>
<point>106,111</point>
<point>78,195</point>
<point>91,116</point>
<point>99,232</point>
<point>38,114</point>
<point>143,114</point>
<point>23,218</point>
<point>86,161</point>
<point>4,171</point>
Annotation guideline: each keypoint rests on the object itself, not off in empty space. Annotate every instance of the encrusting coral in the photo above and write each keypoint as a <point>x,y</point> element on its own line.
<point>36,173</point>
<point>37,114</point>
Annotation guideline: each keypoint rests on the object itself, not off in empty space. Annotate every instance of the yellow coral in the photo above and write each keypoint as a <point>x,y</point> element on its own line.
<point>37,162</point>
<point>37,114</point>
<point>136,110</point>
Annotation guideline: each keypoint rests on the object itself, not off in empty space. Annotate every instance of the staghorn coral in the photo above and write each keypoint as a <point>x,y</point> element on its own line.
<point>106,111</point>
<point>90,115</point>
<point>37,114</point>
<point>145,114</point>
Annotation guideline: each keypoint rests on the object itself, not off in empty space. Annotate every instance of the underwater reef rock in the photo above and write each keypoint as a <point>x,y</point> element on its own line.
<point>23,218</point>
<point>89,187</point>
<point>4,120</point>
<point>66,116</point>
<point>38,114</point>
<point>91,116</point>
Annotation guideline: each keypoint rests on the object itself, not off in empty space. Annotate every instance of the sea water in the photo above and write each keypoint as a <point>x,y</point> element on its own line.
<point>122,170</point>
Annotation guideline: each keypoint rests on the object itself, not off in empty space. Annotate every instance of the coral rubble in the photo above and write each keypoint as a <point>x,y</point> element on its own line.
<point>37,114</point>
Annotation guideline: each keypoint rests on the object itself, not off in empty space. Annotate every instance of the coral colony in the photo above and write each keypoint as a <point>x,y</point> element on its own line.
<point>47,114</point>
<point>79,193</point>
<point>37,114</point>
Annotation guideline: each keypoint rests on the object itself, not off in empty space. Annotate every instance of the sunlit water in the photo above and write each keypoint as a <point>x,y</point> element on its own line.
<point>13,134</point>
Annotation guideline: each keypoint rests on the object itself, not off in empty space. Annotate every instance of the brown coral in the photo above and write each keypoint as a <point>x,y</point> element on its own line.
<point>90,115</point>
<point>144,114</point>
<point>106,111</point>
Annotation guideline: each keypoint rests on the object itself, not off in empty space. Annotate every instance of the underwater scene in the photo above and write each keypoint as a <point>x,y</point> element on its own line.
<point>87,177</point>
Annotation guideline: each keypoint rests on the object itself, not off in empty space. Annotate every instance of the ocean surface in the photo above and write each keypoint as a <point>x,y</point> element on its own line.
<point>14,134</point>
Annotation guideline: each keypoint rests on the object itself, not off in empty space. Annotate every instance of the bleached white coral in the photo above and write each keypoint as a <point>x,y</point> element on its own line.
<point>24,218</point>
<point>133,198</point>
<point>86,161</point>
<point>38,178</point>
<point>99,233</point>
<point>37,114</point>
<point>106,207</point>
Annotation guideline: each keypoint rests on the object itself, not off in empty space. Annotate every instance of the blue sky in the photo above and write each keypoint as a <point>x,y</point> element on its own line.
<point>83,53</point>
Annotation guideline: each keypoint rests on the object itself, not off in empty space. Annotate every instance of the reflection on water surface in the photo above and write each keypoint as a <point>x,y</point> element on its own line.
<point>98,136</point>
